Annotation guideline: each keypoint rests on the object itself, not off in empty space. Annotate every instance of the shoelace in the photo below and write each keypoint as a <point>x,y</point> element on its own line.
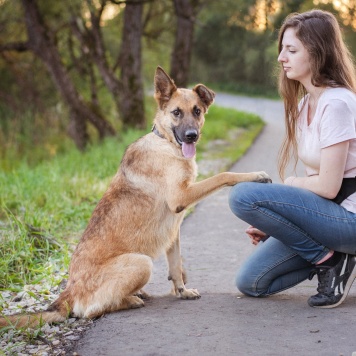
<point>323,278</point>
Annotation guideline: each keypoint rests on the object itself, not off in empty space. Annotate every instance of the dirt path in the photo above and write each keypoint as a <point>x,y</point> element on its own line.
<point>224,322</point>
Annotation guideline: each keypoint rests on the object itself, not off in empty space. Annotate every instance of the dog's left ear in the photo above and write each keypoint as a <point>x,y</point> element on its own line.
<point>205,94</point>
<point>164,87</point>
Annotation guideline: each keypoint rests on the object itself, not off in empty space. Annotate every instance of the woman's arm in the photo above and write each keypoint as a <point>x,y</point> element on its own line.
<point>332,166</point>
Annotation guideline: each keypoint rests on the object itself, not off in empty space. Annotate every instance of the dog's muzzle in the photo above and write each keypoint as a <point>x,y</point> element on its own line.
<point>190,136</point>
<point>187,142</point>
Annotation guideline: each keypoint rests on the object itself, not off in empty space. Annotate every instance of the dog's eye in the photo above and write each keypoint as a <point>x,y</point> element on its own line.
<point>197,111</point>
<point>176,112</point>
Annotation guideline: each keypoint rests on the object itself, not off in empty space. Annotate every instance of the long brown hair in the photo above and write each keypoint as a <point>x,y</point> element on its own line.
<point>331,65</point>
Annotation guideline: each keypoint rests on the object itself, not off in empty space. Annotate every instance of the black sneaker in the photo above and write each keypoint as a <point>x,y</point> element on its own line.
<point>334,281</point>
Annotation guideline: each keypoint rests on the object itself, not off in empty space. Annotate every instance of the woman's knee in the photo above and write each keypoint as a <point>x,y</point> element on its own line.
<point>246,285</point>
<point>242,197</point>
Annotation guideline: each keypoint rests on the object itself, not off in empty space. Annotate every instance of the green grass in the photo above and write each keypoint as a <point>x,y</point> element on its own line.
<point>44,209</point>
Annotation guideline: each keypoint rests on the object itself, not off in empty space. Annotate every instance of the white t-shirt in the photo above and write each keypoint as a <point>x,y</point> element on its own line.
<point>334,122</point>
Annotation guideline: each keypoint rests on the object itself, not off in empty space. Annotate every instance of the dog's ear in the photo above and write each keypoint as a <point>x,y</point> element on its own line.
<point>205,94</point>
<point>164,87</point>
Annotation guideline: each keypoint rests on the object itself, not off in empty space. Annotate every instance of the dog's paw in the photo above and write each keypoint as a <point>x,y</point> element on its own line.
<point>189,294</point>
<point>263,177</point>
<point>142,295</point>
<point>134,302</point>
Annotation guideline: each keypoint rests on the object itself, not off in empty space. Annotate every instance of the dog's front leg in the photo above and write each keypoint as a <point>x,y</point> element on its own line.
<point>191,193</point>
<point>176,273</point>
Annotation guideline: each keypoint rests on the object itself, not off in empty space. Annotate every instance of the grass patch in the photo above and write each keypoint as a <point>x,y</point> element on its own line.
<point>44,209</point>
<point>49,206</point>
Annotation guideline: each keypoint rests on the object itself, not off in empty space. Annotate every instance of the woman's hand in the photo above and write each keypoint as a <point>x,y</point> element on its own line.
<point>255,235</point>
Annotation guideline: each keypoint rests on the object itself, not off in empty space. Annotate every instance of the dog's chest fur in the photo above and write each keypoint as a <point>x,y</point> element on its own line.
<point>133,215</point>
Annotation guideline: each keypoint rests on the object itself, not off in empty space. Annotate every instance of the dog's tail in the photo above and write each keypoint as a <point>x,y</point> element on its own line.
<point>31,320</point>
<point>57,312</point>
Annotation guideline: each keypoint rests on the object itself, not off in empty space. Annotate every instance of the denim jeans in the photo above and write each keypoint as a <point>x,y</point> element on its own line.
<point>303,227</point>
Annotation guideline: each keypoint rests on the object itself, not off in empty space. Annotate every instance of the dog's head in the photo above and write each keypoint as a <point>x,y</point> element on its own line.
<point>180,114</point>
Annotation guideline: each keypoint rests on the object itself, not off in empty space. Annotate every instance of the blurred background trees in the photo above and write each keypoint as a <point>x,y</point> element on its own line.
<point>80,68</point>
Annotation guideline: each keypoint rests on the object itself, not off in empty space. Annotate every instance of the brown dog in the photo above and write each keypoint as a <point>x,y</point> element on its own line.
<point>139,216</point>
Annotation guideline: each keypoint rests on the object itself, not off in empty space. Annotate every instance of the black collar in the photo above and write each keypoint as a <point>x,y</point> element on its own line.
<point>154,130</point>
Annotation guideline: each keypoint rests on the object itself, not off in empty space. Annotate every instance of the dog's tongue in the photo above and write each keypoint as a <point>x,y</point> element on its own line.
<point>188,149</point>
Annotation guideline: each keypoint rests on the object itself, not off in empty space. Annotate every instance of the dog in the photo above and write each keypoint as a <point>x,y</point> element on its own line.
<point>140,214</point>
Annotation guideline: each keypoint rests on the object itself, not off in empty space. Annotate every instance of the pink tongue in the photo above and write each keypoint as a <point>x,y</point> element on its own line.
<point>188,150</point>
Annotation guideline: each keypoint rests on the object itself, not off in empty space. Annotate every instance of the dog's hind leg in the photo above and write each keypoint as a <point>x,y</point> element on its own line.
<point>177,274</point>
<point>118,281</point>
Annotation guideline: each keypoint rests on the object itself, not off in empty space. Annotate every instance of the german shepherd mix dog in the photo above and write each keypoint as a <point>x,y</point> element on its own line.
<point>140,214</point>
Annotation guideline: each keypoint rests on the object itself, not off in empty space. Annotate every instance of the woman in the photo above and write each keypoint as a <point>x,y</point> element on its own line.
<point>307,225</point>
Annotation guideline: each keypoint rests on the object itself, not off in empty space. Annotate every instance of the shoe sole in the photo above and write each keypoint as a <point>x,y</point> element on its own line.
<point>346,291</point>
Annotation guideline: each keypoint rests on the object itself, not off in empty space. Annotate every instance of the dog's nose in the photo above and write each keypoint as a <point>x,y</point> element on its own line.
<point>191,135</point>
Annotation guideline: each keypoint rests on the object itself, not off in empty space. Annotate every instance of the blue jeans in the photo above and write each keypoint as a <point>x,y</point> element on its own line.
<point>303,228</point>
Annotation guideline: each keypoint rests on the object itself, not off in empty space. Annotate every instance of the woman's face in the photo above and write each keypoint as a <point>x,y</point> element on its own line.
<point>294,58</point>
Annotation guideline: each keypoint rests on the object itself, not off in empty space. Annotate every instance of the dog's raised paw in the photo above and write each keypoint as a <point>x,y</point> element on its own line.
<point>190,294</point>
<point>263,177</point>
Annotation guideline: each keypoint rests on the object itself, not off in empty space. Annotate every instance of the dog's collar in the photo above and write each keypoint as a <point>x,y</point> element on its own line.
<point>154,130</point>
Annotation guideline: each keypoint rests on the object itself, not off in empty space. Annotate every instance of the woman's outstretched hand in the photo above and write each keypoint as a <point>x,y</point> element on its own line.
<point>255,235</point>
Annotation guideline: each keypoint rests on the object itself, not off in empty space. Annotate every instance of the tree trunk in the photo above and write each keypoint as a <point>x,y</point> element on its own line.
<point>92,39</point>
<point>132,96</point>
<point>186,11</point>
<point>42,43</point>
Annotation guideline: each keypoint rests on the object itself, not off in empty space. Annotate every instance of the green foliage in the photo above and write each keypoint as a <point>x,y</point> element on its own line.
<point>232,54</point>
<point>23,250</point>
<point>227,52</point>
<point>158,39</point>
<point>32,136</point>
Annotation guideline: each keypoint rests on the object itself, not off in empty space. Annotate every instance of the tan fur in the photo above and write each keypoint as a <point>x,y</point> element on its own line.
<point>139,216</point>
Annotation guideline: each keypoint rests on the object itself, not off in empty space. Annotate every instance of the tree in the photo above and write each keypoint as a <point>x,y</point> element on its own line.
<point>235,45</point>
<point>186,12</point>
<point>127,92</point>
<point>91,42</point>
<point>42,42</point>
<point>132,96</point>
